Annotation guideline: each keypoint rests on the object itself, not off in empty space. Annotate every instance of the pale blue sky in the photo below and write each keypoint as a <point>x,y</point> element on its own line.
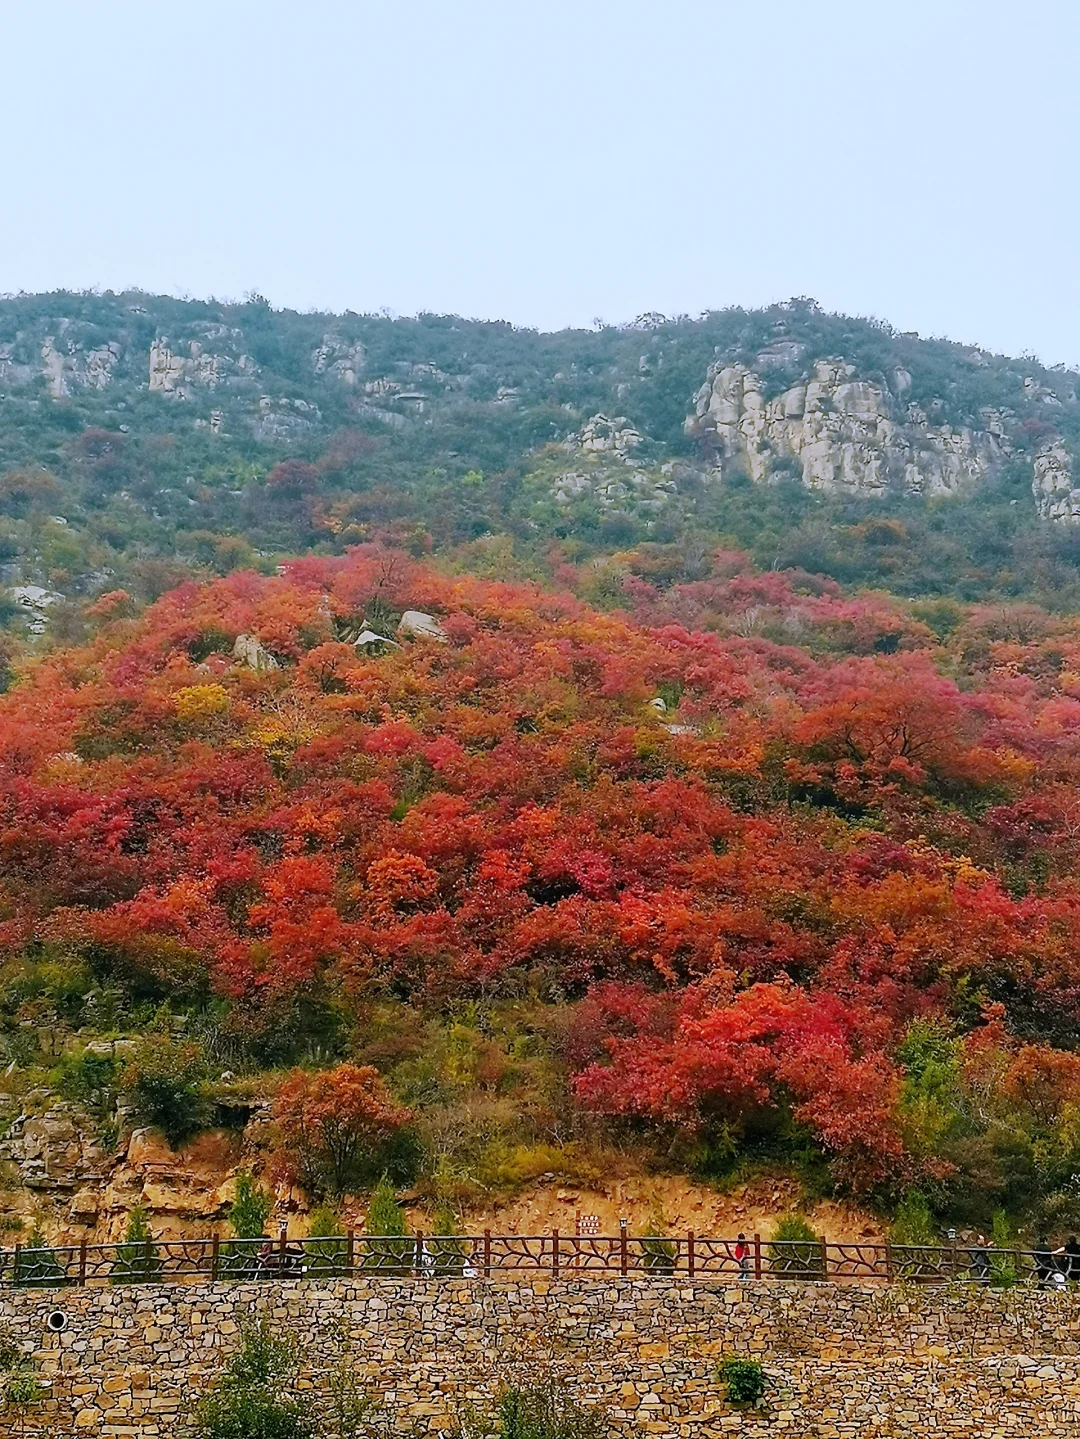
<point>553,162</point>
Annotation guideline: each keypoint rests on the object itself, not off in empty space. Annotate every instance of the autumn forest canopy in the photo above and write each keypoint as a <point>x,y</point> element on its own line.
<point>448,752</point>
<point>748,870</point>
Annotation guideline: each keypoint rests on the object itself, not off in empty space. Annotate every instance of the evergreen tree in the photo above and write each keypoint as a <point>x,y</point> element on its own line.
<point>37,1265</point>
<point>383,1251</point>
<point>137,1259</point>
<point>327,1249</point>
<point>247,1218</point>
<point>448,1251</point>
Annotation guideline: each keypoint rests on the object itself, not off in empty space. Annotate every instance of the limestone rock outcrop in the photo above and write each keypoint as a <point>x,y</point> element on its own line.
<point>52,1151</point>
<point>248,650</point>
<point>338,360</point>
<point>608,470</point>
<point>840,434</point>
<point>1056,491</point>
<point>603,436</point>
<point>172,372</point>
<point>67,367</point>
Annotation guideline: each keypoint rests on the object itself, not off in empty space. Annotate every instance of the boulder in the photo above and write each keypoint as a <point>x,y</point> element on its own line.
<point>249,651</point>
<point>416,625</point>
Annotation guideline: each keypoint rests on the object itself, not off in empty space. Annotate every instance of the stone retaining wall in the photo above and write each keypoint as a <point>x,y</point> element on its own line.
<point>840,1360</point>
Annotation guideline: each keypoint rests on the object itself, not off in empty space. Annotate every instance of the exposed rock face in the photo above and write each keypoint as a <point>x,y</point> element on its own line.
<point>339,360</point>
<point>249,651</point>
<point>51,1151</point>
<point>283,420</point>
<point>609,471</point>
<point>174,373</point>
<point>66,367</point>
<point>616,488</point>
<point>844,435</point>
<point>1057,495</point>
<point>34,601</point>
<point>603,436</point>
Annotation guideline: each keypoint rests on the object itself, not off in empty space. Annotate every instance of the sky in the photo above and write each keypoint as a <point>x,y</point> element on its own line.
<point>555,163</point>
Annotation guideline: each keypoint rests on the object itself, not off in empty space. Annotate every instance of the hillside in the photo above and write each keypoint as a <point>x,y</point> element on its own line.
<point>745,877</point>
<point>144,438</point>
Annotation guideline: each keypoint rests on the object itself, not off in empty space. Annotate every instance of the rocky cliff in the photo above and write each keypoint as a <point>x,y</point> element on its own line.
<point>845,434</point>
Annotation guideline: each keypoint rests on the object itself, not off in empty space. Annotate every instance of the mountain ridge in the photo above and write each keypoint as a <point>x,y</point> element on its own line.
<point>143,438</point>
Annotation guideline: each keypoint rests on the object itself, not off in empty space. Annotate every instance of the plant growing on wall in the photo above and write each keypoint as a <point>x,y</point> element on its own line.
<point>254,1397</point>
<point>20,1388</point>
<point>744,1380</point>
<point>547,1411</point>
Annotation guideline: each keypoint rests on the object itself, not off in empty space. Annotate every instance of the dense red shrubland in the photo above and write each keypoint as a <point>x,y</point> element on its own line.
<point>837,827</point>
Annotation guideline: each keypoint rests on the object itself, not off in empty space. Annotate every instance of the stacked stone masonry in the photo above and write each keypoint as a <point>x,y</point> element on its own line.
<point>841,1361</point>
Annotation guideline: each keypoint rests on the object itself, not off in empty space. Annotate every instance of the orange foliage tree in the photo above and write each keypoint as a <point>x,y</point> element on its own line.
<point>331,1125</point>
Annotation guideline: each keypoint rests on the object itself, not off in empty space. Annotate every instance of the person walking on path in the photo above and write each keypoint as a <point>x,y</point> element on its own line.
<point>742,1256</point>
<point>979,1258</point>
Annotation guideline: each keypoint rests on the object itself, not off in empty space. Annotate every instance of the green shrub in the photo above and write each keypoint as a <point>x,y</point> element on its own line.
<point>744,1380</point>
<point>327,1248</point>
<point>251,1399</point>
<point>658,1254</point>
<point>448,1253</point>
<point>89,1080</point>
<point>1003,1265</point>
<point>795,1251</point>
<point>546,1411</point>
<point>386,1219</point>
<point>250,1208</point>
<point>137,1259</point>
<point>247,1218</point>
<point>914,1221</point>
<point>163,1083</point>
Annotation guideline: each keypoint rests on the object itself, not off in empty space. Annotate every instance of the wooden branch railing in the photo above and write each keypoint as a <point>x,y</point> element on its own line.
<point>554,1255</point>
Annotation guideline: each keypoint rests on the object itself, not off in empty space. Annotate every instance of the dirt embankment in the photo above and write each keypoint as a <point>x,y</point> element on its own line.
<point>187,1193</point>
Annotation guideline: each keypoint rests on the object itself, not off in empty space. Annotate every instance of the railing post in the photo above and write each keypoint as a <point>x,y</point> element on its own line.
<point>690,1252</point>
<point>757,1256</point>
<point>419,1260</point>
<point>555,1254</point>
<point>215,1255</point>
<point>349,1252</point>
<point>15,1274</point>
<point>824,1260</point>
<point>487,1253</point>
<point>82,1263</point>
<point>283,1238</point>
<point>888,1262</point>
<point>624,1255</point>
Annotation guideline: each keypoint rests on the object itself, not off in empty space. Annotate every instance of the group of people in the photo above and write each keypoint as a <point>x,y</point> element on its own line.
<point>1057,1266</point>
<point>1053,1267</point>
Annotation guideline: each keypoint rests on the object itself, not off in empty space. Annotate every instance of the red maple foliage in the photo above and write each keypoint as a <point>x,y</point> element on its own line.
<point>754,828</point>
